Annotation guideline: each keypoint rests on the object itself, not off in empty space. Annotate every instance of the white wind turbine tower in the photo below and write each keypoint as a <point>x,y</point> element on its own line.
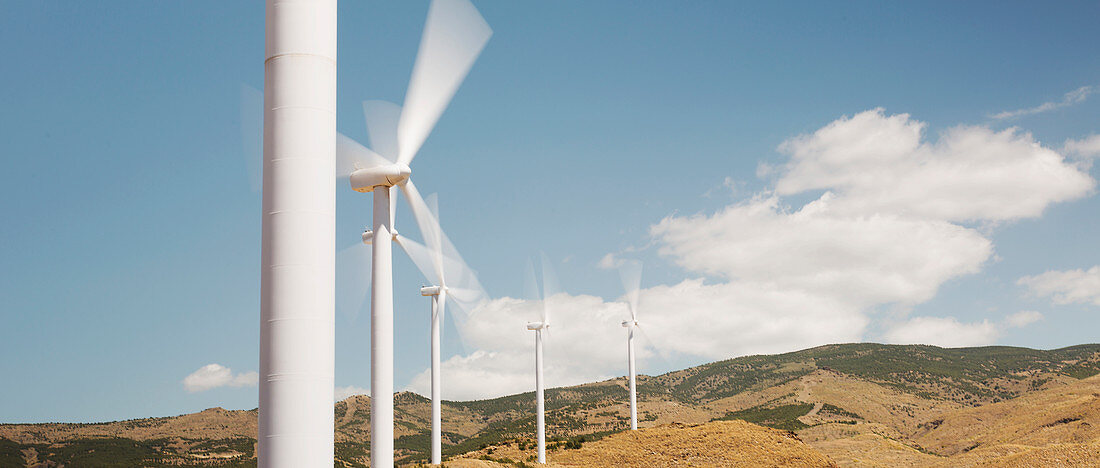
<point>549,288</point>
<point>631,275</point>
<point>454,35</point>
<point>297,329</point>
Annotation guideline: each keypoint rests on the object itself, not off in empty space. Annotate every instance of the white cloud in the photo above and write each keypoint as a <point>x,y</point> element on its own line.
<point>1084,149</point>
<point>610,262</point>
<point>215,375</point>
<point>1073,97</point>
<point>879,164</point>
<point>946,332</point>
<point>888,229</point>
<point>342,393</point>
<point>1066,287</point>
<point>1023,318</point>
<point>724,320</point>
<point>858,260</point>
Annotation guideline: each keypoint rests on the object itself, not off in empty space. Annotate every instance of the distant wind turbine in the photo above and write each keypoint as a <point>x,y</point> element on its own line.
<point>549,289</point>
<point>451,279</point>
<point>631,274</point>
<point>454,36</point>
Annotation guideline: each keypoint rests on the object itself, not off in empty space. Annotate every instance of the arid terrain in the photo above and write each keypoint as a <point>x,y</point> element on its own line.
<point>838,405</point>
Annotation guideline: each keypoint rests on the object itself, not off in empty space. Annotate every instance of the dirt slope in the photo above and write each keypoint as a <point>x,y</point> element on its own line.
<point>1070,414</point>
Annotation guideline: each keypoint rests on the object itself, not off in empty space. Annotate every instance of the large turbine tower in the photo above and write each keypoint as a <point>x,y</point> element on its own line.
<point>297,331</point>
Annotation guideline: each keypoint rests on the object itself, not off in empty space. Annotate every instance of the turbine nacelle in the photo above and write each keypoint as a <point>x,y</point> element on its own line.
<point>368,236</point>
<point>365,180</point>
<point>430,290</point>
<point>630,323</point>
<point>537,325</point>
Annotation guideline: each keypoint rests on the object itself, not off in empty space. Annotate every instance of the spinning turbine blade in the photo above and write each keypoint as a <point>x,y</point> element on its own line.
<point>438,260</point>
<point>631,274</point>
<point>352,280</point>
<point>421,256</point>
<point>352,156</point>
<point>648,343</point>
<point>437,231</point>
<point>454,35</point>
<point>382,118</point>
<point>550,286</point>
<point>421,212</point>
<point>531,288</point>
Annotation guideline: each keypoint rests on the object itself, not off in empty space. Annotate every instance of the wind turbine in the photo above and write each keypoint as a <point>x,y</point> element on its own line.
<point>549,288</point>
<point>454,35</point>
<point>452,279</point>
<point>631,275</point>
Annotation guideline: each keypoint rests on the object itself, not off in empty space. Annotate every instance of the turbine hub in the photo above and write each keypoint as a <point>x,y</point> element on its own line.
<point>365,180</point>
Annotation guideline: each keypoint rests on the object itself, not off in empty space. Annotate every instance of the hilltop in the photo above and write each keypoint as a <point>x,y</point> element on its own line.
<point>859,404</point>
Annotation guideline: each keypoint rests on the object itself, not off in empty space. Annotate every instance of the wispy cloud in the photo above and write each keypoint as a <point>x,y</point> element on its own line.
<point>1023,318</point>
<point>1083,150</point>
<point>1076,96</point>
<point>213,376</point>
<point>1066,287</point>
<point>949,332</point>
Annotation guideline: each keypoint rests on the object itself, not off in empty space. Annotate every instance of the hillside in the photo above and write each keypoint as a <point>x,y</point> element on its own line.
<point>860,404</point>
<point>714,444</point>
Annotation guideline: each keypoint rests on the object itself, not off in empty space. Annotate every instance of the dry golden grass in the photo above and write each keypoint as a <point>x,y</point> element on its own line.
<point>714,444</point>
<point>1062,415</point>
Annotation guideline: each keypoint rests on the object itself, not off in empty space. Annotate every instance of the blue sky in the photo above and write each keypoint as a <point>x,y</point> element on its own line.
<point>130,245</point>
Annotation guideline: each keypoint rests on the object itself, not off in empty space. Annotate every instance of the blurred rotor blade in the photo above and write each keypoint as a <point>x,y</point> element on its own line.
<point>454,35</point>
<point>531,290</point>
<point>433,204</point>
<point>382,118</point>
<point>550,287</point>
<point>465,295</point>
<point>648,342</point>
<point>442,257</point>
<point>436,236</point>
<point>252,134</point>
<point>353,266</point>
<point>421,257</point>
<point>421,213</point>
<point>631,274</point>
<point>352,156</point>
